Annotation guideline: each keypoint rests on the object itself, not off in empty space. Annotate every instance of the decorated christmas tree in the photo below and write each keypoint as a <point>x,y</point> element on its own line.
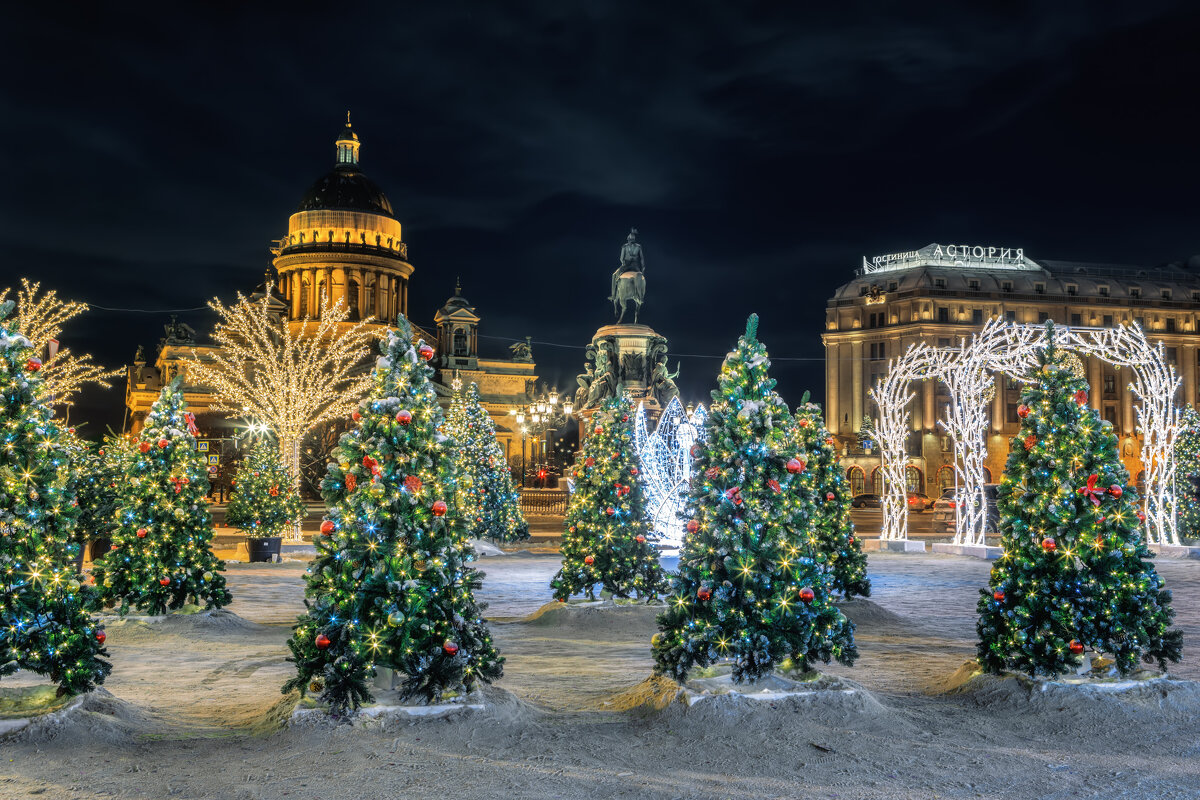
<point>97,467</point>
<point>44,623</point>
<point>1187,474</point>
<point>161,556</point>
<point>823,493</point>
<point>1075,574</point>
<point>607,537</point>
<point>487,499</point>
<point>264,501</point>
<point>392,585</point>
<point>748,589</point>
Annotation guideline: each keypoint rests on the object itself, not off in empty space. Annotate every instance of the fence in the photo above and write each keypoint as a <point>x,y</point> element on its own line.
<point>544,502</point>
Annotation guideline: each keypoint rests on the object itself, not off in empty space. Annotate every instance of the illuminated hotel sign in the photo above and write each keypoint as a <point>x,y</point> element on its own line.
<point>952,255</point>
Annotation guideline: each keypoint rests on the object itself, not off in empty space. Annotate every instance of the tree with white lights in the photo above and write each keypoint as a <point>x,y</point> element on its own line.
<point>40,319</point>
<point>289,380</point>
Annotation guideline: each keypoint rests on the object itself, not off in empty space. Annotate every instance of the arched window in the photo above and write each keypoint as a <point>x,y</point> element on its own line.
<point>857,477</point>
<point>913,479</point>
<point>460,342</point>
<point>987,475</point>
<point>877,481</point>
<point>944,478</point>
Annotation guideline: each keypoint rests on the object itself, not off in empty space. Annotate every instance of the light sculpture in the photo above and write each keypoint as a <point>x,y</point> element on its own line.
<point>666,459</point>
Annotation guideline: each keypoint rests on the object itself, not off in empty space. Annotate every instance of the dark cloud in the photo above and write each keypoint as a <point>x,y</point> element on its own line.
<point>761,149</point>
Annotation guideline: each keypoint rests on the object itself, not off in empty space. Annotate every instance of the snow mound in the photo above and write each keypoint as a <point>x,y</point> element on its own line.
<point>1115,699</point>
<point>483,549</point>
<point>596,614</point>
<point>34,714</point>
<point>495,704</point>
<point>189,624</point>
<point>866,614</point>
<point>712,697</point>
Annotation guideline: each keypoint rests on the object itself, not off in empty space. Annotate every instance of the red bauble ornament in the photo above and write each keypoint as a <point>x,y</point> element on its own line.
<point>695,451</point>
<point>322,641</point>
<point>33,364</point>
<point>438,508</point>
<point>1049,545</point>
<point>640,539</point>
<point>112,547</point>
<point>1022,411</point>
<point>1081,397</point>
<point>164,581</point>
<point>450,647</point>
<point>610,511</point>
<point>163,443</point>
<point>633,470</point>
<point>704,593</point>
<point>712,472</point>
<point>351,482</point>
<point>1141,517</point>
<point>144,447</point>
<point>425,352</point>
<point>100,451</point>
<point>589,560</point>
<point>413,484</point>
<point>1030,441</point>
<point>355,416</point>
<point>327,526</point>
<point>72,431</point>
<point>101,636</point>
<point>807,595</point>
<point>693,526</point>
<point>598,429</point>
<point>1075,646</point>
<point>795,465</point>
<point>829,441</point>
<point>998,596</point>
<point>1116,491</point>
<point>404,416</point>
<point>589,461</point>
<point>141,533</point>
<point>830,496</point>
<point>803,423</point>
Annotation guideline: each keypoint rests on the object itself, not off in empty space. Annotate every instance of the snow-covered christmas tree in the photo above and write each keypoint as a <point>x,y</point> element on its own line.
<point>161,557</point>
<point>392,585</point>
<point>44,623</point>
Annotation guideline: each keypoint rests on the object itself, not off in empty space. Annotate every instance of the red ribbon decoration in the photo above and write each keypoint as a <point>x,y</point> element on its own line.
<point>1091,492</point>
<point>190,419</point>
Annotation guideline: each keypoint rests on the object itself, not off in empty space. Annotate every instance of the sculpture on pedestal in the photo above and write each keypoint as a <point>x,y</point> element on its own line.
<point>629,279</point>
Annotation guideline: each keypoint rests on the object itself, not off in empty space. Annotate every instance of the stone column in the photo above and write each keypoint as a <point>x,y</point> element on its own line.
<point>381,289</point>
<point>297,287</point>
<point>856,385</point>
<point>998,403</point>
<point>312,292</point>
<point>1126,402</point>
<point>404,296</point>
<point>338,276</point>
<point>928,404</point>
<point>1095,383</point>
<point>831,388</point>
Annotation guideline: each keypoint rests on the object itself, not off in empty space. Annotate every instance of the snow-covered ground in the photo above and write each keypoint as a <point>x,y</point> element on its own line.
<point>193,710</point>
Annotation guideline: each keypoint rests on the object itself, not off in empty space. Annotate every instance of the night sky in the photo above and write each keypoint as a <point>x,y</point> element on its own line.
<point>761,149</point>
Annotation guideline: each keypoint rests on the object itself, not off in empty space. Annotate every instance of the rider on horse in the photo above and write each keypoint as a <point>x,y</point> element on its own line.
<point>632,260</point>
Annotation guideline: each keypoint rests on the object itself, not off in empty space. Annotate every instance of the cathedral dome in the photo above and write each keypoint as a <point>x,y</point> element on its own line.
<point>346,189</point>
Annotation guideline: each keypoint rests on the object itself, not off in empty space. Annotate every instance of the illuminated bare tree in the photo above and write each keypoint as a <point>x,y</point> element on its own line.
<point>292,381</point>
<point>40,319</point>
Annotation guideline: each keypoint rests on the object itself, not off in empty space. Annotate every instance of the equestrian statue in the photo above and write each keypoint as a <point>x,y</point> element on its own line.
<point>629,279</point>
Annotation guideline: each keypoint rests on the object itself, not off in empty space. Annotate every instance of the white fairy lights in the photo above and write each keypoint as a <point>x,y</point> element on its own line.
<point>666,459</point>
<point>1011,349</point>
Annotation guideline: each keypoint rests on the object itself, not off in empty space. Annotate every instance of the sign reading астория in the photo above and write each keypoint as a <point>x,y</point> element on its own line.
<point>952,255</point>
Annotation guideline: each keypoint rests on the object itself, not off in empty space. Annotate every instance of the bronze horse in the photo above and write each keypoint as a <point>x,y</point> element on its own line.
<point>631,288</point>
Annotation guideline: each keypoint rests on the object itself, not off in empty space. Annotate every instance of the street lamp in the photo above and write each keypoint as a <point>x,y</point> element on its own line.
<point>540,416</point>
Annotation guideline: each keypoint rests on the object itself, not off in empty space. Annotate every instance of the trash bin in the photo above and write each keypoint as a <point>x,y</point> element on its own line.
<point>266,548</point>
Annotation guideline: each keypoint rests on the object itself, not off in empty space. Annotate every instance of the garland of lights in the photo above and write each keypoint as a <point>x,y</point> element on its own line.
<point>666,458</point>
<point>1011,349</point>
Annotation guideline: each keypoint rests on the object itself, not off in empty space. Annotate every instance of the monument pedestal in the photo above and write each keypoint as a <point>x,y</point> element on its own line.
<point>972,550</point>
<point>893,546</point>
<point>1175,551</point>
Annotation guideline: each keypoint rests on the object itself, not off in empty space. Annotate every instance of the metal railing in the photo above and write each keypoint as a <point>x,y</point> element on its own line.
<point>544,502</point>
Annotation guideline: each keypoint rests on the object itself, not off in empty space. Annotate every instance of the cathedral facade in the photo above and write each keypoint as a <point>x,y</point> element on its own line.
<point>344,243</point>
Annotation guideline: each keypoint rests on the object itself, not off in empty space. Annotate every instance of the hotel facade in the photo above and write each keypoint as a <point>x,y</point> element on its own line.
<point>940,294</point>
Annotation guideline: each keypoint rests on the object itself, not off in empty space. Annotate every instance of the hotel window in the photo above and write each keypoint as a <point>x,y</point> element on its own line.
<point>1196,297</point>
<point>1172,355</point>
<point>1165,294</point>
<point>893,286</point>
<point>1010,413</point>
<point>943,314</point>
<point>1006,286</point>
<point>1110,414</point>
<point>1108,320</point>
<point>973,283</point>
<point>1010,316</point>
<point>1043,316</point>
<point>1040,288</point>
<point>977,316</point>
<point>939,283</point>
<point>1076,320</point>
<point>944,341</point>
<point>1072,289</point>
<point>1140,322</point>
<point>1170,324</point>
<point>1135,292</point>
<point>1110,384</point>
<point>1103,291</point>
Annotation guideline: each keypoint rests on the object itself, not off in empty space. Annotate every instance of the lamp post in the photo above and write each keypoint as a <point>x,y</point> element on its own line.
<point>540,416</point>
